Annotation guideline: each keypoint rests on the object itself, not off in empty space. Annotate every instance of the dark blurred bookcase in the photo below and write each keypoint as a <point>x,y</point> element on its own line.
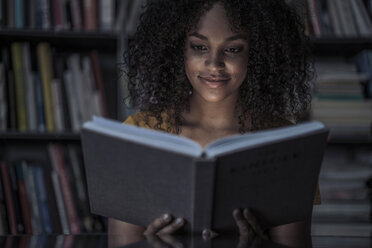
<point>341,37</point>
<point>60,64</point>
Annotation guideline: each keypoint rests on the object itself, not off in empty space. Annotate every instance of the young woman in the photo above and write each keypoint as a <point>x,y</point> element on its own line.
<point>209,69</point>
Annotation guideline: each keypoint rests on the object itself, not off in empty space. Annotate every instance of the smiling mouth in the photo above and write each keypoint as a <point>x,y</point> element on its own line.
<point>214,82</point>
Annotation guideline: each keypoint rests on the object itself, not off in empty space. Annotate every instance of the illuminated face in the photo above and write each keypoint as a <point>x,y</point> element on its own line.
<point>216,58</point>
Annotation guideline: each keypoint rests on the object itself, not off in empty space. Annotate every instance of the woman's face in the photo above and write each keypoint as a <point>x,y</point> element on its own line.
<point>215,57</point>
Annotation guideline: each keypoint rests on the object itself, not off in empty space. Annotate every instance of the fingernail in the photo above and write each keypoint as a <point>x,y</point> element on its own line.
<point>166,217</point>
<point>179,221</point>
<point>206,233</point>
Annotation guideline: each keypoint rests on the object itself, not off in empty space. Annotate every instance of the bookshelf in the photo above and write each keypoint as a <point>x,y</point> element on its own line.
<point>33,146</point>
<point>84,42</point>
<point>341,37</point>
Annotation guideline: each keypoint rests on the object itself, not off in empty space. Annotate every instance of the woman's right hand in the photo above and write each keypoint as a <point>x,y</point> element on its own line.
<point>165,224</point>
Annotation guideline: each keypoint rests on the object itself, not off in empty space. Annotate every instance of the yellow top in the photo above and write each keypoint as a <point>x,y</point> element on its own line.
<point>138,120</point>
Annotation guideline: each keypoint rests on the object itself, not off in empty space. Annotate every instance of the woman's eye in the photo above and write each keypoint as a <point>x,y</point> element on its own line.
<point>233,49</point>
<point>199,47</point>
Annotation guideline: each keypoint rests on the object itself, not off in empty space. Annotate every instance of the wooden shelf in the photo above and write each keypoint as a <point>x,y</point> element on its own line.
<point>340,46</point>
<point>28,136</point>
<point>85,40</point>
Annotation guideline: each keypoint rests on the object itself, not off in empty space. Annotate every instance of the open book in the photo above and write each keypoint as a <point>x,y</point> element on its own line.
<point>136,174</point>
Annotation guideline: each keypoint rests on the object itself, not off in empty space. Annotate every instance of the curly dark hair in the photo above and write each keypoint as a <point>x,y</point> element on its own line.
<point>279,70</point>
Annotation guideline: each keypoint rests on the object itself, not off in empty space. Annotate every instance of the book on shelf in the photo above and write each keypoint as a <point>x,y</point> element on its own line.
<point>3,100</point>
<point>3,213</point>
<point>106,14</point>
<point>60,167</point>
<point>91,14</point>
<point>341,96</point>
<point>77,21</point>
<point>341,18</point>
<point>32,197</point>
<point>46,72</point>
<point>9,201</point>
<point>364,63</point>
<point>23,198</point>
<point>42,198</point>
<point>20,87</point>
<point>51,96</point>
<point>173,174</point>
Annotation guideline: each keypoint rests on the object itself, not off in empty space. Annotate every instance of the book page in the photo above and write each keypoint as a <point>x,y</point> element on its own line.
<point>245,141</point>
<point>145,136</point>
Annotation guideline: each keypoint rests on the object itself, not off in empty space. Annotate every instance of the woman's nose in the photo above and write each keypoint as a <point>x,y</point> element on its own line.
<point>215,60</point>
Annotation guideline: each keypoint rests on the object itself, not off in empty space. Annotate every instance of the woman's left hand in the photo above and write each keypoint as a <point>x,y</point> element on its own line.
<point>249,227</point>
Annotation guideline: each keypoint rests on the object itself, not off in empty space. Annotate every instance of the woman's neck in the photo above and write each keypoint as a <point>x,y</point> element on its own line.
<point>212,115</point>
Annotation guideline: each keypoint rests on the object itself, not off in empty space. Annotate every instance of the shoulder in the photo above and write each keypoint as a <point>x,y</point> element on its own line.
<point>276,122</point>
<point>145,119</point>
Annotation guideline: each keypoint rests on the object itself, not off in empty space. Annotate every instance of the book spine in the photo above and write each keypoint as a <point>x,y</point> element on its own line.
<point>66,190</point>
<point>60,203</point>
<point>314,17</point>
<point>121,20</point>
<point>42,198</point>
<point>24,201</point>
<point>335,18</point>
<point>78,179</point>
<point>5,176</point>
<point>90,14</point>
<point>204,175</point>
<point>349,23</point>
<point>72,100</point>
<point>76,14</point>
<point>106,14</point>
<point>99,81</point>
<point>59,70</point>
<point>18,7</point>
<point>3,100</point>
<point>58,15</point>
<point>11,9</point>
<point>46,71</point>
<point>77,83</point>
<point>3,215</point>
<point>45,14</point>
<point>57,93</point>
<point>19,86</point>
<point>363,27</point>
<point>36,222</point>
<point>365,16</point>
<point>17,204</point>
<point>12,109</point>
<point>61,206</point>
<point>32,14</point>
<point>39,103</point>
<point>30,88</point>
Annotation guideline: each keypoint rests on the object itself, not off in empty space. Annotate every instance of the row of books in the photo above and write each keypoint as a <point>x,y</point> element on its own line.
<point>342,92</point>
<point>55,93</point>
<point>340,18</point>
<point>39,198</point>
<point>90,15</point>
<point>57,241</point>
<point>345,208</point>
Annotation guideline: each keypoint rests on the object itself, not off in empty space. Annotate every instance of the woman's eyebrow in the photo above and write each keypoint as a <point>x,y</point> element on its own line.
<point>234,37</point>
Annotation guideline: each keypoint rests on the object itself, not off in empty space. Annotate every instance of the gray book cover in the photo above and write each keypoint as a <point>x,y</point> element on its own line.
<point>136,174</point>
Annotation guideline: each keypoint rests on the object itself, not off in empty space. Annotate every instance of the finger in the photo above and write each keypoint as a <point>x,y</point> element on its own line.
<point>244,228</point>
<point>172,241</point>
<point>209,234</point>
<point>172,227</point>
<point>253,222</point>
<point>154,241</point>
<point>158,224</point>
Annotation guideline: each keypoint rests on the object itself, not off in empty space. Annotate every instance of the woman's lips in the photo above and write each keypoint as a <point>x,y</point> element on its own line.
<point>215,82</point>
